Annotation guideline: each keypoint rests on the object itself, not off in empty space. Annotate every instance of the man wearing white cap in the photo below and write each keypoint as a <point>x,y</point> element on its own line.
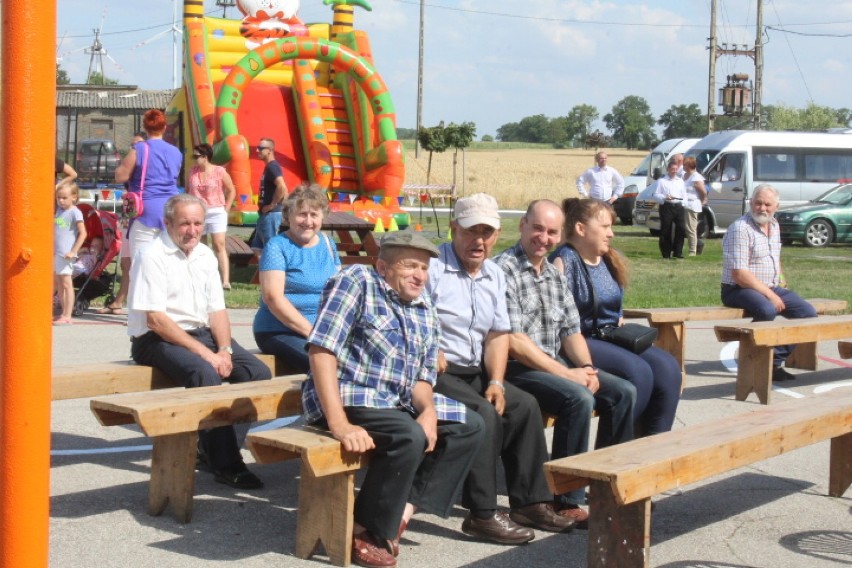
<point>469,293</point>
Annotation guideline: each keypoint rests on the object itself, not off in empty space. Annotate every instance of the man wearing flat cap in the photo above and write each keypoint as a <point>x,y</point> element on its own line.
<point>373,353</point>
<point>469,293</point>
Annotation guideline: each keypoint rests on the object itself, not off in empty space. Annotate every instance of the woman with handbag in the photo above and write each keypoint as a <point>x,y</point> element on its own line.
<point>596,276</point>
<point>213,185</point>
<point>151,169</point>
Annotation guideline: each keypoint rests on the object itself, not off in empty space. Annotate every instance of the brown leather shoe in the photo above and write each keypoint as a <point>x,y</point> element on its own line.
<point>542,516</point>
<point>498,528</point>
<point>367,552</point>
<point>395,542</point>
<point>579,515</point>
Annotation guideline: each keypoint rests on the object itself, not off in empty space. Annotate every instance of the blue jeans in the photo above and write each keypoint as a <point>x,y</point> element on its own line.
<point>288,346</point>
<point>656,376</point>
<point>267,227</point>
<point>761,309</point>
<point>572,404</point>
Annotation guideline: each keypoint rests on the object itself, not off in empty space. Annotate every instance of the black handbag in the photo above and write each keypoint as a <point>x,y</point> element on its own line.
<point>634,337</point>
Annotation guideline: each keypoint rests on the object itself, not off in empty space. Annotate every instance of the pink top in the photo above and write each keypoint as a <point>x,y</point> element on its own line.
<point>207,186</point>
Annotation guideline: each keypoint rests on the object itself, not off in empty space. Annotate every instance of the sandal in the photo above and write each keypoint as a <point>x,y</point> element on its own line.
<point>110,310</point>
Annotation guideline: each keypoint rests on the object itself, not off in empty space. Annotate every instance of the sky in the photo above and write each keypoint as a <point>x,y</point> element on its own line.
<point>497,61</point>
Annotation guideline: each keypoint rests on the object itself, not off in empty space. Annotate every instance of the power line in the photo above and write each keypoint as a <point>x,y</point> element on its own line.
<point>793,54</point>
<point>786,31</point>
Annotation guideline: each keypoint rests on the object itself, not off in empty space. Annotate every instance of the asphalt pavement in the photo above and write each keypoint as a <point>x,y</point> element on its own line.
<point>772,514</point>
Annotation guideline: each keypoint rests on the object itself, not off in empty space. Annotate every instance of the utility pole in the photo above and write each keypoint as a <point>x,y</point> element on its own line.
<point>420,82</point>
<point>758,68</point>
<point>711,80</point>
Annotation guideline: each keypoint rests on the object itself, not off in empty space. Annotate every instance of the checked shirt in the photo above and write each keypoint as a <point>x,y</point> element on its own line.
<point>746,247</point>
<point>383,345</point>
<point>538,303</point>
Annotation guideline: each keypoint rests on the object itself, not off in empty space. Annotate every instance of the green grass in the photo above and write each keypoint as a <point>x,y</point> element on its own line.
<point>654,282</point>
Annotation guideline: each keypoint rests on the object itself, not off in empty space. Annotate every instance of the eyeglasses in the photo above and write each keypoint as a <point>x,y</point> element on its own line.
<point>262,148</point>
<point>196,156</point>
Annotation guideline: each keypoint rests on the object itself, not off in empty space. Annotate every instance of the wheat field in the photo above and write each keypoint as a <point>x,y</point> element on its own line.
<point>515,177</point>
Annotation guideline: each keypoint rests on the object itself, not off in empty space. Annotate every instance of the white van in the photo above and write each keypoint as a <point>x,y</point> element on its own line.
<point>651,168</point>
<point>800,165</point>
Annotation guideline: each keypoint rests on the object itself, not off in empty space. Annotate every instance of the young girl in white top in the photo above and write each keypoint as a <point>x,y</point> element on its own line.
<point>69,232</point>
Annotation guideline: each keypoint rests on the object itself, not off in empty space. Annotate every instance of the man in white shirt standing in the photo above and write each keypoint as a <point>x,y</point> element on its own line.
<point>605,183</point>
<point>670,194</point>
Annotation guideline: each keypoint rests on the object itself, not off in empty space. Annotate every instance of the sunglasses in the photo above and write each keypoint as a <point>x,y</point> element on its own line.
<point>262,148</point>
<point>196,156</point>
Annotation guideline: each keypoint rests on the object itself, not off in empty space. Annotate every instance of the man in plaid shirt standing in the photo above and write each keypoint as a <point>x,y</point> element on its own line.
<point>373,354</point>
<point>751,271</point>
<point>549,355</point>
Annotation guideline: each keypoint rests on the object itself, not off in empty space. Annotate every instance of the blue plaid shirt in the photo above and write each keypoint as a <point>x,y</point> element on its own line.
<point>746,247</point>
<point>538,303</point>
<point>383,345</point>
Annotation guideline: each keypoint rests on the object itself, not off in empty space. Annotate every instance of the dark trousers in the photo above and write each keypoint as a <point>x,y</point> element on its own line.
<point>287,346</point>
<point>400,471</point>
<point>572,404</point>
<point>656,376</point>
<point>761,309</point>
<point>672,229</point>
<point>517,436</point>
<point>189,370</point>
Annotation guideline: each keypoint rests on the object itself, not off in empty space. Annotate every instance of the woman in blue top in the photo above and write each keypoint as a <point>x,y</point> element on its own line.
<point>294,267</point>
<point>654,373</point>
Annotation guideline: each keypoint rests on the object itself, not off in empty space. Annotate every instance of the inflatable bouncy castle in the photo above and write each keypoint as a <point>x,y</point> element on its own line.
<point>312,88</point>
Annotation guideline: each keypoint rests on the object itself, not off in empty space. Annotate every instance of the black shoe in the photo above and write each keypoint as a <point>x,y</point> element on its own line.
<point>782,374</point>
<point>238,478</point>
<point>541,516</point>
<point>498,528</point>
<point>201,461</point>
<point>700,247</point>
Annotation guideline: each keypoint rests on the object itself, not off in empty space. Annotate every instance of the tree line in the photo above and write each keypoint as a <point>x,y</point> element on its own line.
<point>631,124</point>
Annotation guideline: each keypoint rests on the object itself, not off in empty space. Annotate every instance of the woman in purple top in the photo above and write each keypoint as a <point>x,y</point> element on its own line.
<point>161,163</point>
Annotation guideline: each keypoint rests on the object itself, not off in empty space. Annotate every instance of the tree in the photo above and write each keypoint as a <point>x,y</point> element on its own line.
<point>406,133</point>
<point>459,136</point>
<point>816,117</point>
<point>433,140</point>
<point>559,134</point>
<point>96,78</point>
<point>843,115</point>
<point>509,132</point>
<point>596,139</point>
<point>487,138</point>
<point>580,120</point>
<point>534,128</point>
<point>683,121</point>
<point>62,76</point>
<point>631,122</point>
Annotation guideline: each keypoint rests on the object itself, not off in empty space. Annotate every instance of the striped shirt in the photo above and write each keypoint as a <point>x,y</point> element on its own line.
<point>746,247</point>
<point>383,345</point>
<point>538,303</point>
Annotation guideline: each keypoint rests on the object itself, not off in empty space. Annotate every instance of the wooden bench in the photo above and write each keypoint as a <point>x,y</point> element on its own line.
<point>845,349</point>
<point>239,252</point>
<point>758,339</point>
<point>623,478</point>
<point>173,418</point>
<point>671,322</point>
<point>116,377</point>
<point>326,486</point>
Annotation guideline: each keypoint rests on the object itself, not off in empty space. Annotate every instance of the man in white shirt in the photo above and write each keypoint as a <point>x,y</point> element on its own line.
<point>178,323</point>
<point>605,183</point>
<point>670,194</point>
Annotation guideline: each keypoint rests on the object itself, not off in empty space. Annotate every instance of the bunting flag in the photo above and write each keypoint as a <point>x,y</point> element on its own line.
<point>118,193</point>
<point>380,227</point>
<point>377,200</point>
<point>330,195</point>
<point>400,200</point>
<point>243,198</point>
<point>449,234</point>
<point>341,197</point>
<point>352,198</point>
<point>393,226</point>
<point>424,197</point>
<point>105,193</point>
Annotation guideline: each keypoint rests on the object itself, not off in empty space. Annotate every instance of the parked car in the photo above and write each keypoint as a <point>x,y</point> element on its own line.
<point>646,211</point>
<point>97,160</point>
<point>820,222</point>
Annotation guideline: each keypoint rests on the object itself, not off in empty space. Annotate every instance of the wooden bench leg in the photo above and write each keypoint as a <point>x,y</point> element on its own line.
<point>840,470</point>
<point>804,356</point>
<point>326,507</point>
<point>754,371</point>
<point>173,475</point>
<point>619,535</point>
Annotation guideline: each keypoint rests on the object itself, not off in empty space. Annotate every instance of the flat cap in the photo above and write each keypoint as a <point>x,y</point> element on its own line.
<point>409,239</point>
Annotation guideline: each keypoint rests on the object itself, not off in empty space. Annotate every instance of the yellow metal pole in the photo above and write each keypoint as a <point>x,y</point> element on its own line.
<point>27,133</point>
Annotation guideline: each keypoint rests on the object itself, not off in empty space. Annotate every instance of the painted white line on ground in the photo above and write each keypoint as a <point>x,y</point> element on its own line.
<point>827,388</point>
<point>728,355</point>
<point>271,425</point>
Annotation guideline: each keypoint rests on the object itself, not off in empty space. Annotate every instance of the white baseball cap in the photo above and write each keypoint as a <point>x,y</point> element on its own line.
<point>477,209</point>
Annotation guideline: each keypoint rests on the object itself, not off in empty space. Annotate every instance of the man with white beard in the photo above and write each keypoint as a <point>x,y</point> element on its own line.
<point>751,271</point>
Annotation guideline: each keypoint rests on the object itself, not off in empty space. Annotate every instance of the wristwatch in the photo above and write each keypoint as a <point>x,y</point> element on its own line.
<point>227,349</point>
